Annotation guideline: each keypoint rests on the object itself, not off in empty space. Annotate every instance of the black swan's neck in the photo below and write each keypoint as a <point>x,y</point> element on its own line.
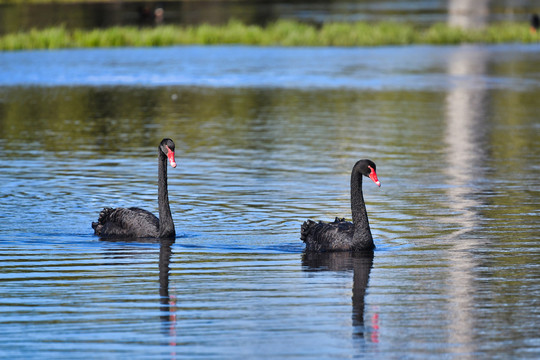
<point>166,224</point>
<point>362,239</point>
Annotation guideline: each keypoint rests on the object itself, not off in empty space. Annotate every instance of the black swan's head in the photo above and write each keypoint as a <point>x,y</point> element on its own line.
<point>167,147</point>
<point>367,168</point>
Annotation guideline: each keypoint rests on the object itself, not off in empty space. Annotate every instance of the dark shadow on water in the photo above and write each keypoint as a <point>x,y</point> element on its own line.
<point>360,264</point>
<point>135,240</point>
<point>132,240</point>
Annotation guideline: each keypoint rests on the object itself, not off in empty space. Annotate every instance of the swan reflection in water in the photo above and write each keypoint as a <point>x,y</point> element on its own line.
<point>360,263</point>
<point>167,302</point>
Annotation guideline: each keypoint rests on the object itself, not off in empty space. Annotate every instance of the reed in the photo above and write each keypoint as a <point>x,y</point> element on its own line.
<point>280,33</point>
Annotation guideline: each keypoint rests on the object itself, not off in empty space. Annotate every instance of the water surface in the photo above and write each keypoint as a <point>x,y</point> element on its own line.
<point>265,139</point>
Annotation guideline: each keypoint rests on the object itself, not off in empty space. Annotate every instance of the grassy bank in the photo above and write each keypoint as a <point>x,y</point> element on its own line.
<point>284,33</point>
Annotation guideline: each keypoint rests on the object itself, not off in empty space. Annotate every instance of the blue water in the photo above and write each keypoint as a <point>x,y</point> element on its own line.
<point>265,139</point>
<point>382,68</point>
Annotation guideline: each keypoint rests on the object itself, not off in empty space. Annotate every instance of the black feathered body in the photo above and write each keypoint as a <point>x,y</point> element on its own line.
<point>327,236</point>
<point>126,222</point>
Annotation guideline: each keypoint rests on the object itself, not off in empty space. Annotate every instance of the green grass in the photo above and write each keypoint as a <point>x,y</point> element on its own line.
<point>280,33</point>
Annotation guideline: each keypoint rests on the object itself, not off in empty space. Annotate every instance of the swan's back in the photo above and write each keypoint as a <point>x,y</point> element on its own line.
<point>126,222</point>
<point>321,236</point>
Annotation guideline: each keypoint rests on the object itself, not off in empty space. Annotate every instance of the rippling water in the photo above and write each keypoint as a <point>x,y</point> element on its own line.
<point>265,139</point>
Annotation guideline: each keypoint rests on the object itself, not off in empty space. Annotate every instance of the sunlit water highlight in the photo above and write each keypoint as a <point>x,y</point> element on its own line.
<point>265,139</point>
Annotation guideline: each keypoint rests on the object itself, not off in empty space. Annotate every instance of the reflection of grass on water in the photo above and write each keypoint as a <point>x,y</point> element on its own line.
<point>284,33</point>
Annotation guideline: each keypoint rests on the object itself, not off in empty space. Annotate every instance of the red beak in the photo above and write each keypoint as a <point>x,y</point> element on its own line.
<point>170,155</point>
<point>373,176</point>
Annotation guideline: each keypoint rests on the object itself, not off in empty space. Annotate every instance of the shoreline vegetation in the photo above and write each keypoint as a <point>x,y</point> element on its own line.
<point>279,33</point>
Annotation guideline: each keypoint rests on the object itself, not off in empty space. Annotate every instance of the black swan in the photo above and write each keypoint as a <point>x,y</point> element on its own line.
<point>138,223</point>
<point>342,235</point>
<point>535,23</point>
